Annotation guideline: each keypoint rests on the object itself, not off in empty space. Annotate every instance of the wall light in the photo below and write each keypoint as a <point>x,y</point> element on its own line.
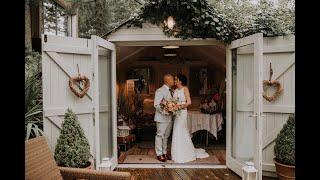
<point>169,22</point>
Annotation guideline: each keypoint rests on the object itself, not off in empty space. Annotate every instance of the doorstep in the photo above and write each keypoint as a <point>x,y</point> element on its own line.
<point>171,165</point>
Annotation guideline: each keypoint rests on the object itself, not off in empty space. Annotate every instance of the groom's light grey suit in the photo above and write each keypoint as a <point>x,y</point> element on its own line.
<point>164,122</point>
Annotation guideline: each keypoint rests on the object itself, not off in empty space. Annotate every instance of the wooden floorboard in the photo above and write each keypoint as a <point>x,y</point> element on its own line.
<point>183,174</point>
<point>219,153</point>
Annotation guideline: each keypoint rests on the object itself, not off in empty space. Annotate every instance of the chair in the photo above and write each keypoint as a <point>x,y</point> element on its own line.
<point>40,164</point>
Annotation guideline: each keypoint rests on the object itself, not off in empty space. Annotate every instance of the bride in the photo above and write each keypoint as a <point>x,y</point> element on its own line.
<point>182,148</point>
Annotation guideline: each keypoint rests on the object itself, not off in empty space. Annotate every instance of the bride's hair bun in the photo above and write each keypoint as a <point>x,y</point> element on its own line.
<point>183,79</point>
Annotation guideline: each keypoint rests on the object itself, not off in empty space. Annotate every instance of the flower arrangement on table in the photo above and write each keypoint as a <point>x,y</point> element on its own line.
<point>210,105</point>
<point>171,106</point>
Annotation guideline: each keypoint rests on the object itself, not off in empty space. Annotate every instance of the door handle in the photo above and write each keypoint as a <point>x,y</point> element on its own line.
<point>253,115</point>
<point>255,122</point>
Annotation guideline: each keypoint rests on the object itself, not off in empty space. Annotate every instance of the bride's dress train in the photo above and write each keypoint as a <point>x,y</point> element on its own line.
<point>182,148</point>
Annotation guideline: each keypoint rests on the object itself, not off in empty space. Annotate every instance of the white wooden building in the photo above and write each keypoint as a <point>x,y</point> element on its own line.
<point>252,122</point>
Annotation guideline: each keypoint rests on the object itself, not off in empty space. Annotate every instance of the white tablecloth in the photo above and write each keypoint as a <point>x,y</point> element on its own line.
<point>200,121</point>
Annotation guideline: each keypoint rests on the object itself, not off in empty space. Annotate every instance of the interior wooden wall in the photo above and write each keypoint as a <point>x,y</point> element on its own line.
<point>211,57</point>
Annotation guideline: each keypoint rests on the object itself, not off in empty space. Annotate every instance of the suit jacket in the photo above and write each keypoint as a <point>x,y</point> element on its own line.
<point>161,93</point>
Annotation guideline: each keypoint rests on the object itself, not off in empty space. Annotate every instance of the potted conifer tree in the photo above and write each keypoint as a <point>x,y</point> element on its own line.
<point>284,151</point>
<point>72,149</point>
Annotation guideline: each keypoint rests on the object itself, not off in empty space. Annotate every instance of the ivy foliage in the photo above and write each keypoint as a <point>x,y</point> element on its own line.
<point>224,20</point>
<point>194,19</point>
<point>272,21</point>
<point>100,16</point>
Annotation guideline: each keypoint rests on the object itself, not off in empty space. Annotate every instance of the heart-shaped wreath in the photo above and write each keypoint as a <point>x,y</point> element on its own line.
<point>268,84</point>
<point>79,79</point>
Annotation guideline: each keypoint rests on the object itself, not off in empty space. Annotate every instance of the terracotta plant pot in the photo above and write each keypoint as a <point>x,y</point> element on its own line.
<point>285,172</point>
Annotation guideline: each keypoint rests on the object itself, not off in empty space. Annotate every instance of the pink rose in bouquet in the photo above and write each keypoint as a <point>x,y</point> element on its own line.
<point>170,107</point>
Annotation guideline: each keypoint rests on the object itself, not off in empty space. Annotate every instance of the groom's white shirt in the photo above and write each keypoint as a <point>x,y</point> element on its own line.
<point>162,93</point>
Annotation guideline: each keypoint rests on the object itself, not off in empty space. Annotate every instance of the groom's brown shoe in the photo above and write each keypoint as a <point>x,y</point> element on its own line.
<point>161,158</point>
<point>168,156</point>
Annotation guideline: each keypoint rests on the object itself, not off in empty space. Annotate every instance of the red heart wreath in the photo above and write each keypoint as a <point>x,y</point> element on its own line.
<point>79,79</point>
<point>267,84</point>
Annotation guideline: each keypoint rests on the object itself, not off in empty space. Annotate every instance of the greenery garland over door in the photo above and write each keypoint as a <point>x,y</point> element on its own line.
<point>198,19</point>
<point>194,19</point>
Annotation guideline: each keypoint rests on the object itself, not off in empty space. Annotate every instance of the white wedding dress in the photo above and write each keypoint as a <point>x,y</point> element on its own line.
<point>182,148</point>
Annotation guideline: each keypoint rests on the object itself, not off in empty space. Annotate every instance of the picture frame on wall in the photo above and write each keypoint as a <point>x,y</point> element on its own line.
<point>203,79</point>
<point>143,77</point>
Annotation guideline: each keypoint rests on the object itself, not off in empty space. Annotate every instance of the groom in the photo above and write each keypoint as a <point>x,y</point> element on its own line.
<point>164,122</point>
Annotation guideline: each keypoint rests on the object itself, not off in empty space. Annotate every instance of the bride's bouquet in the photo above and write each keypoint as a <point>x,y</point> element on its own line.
<point>170,106</point>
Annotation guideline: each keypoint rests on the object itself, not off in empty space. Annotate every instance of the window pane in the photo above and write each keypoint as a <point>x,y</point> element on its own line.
<point>55,19</point>
<point>49,17</point>
<point>62,22</point>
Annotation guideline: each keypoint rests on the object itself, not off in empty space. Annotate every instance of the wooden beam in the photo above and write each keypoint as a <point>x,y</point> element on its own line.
<point>268,108</point>
<point>106,44</point>
<point>55,120</point>
<point>66,49</point>
<point>243,41</point>
<point>62,110</point>
<point>142,41</point>
<point>36,18</point>
<point>49,112</point>
<point>270,49</point>
<point>272,136</point>
<point>132,54</point>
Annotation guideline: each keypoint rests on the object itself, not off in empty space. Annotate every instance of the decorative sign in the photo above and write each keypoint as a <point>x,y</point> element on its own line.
<point>130,86</point>
<point>203,81</point>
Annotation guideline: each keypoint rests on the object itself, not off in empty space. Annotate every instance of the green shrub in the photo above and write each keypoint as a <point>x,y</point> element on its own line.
<point>33,99</point>
<point>284,148</point>
<point>72,149</point>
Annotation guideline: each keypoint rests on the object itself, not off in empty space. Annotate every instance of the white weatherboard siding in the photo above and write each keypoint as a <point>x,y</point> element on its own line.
<point>152,35</point>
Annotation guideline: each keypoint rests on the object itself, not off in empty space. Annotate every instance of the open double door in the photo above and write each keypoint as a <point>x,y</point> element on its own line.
<point>62,55</point>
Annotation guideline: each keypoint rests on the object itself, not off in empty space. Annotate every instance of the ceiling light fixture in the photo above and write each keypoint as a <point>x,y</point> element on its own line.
<point>170,47</point>
<point>170,53</point>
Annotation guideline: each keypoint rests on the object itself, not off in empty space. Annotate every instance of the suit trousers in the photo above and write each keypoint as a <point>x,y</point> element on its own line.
<point>161,141</point>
